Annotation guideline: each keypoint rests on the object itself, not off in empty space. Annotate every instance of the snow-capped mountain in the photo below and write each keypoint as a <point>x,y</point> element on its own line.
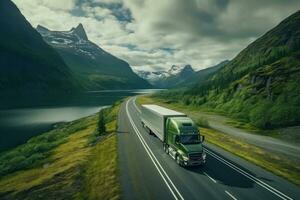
<point>152,76</point>
<point>179,76</point>
<point>169,78</point>
<point>175,69</point>
<point>96,68</point>
<point>76,38</point>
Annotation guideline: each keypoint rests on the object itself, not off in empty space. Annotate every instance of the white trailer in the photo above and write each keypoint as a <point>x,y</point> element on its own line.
<point>154,118</point>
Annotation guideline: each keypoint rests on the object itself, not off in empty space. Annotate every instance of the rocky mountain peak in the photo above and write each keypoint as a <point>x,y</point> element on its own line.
<point>188,68</point>
<point>175,69</point>
<point>79,30</point>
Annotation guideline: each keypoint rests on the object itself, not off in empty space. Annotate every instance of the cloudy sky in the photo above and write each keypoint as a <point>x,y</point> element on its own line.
<point>155,34</point>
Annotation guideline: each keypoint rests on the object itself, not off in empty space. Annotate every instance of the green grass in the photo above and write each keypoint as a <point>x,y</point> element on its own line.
<point>101,181</point>
<point>37,150</point>
<point>254,130</point>
<point>71,167</point>
<point>59,172</point>
<point>243,125</point>
<point>101,177</point>
<point>276,163</point>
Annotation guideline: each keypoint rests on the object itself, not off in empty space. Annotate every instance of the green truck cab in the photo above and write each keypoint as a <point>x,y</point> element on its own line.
<point>183,141</point>
<point>179,134</point>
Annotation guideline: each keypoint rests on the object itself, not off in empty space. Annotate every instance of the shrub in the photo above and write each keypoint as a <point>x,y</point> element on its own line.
<point>260,116</point>
<point>284,115</point>
<point>101,123</point>
<point>203,122</point>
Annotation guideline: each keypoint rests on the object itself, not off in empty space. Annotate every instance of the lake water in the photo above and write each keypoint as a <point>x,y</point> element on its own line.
<point>22,119</point>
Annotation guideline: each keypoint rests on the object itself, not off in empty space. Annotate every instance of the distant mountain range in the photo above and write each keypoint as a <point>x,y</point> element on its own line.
<point>178,76</point>
<point>203,74</point>
<point>27,63</point>
<point>94,67</point>
<point>169,78</point>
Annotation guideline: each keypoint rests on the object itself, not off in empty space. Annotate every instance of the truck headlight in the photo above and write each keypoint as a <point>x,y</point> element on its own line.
<point>185,158</point>
<point>203,155</point>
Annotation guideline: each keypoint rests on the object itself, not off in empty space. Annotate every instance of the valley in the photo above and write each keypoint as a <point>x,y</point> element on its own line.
<point>121,99</point>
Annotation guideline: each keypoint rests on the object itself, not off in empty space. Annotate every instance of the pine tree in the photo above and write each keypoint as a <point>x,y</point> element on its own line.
<point>101,123</point>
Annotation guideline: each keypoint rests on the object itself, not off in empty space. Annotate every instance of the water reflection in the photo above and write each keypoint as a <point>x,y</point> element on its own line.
<point>32,116</point>
<point>23,118</point>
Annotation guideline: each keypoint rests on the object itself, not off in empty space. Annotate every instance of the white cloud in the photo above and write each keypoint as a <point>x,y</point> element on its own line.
<point>107,1</point>
<point>58,4</point>
<point>161,33</point>
<point>96,12</point>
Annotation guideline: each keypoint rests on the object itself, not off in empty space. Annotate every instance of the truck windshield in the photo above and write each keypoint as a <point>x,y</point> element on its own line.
<point>189,139</point>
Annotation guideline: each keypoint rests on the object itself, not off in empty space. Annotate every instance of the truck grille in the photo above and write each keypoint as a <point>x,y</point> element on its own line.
<point>195,156</point>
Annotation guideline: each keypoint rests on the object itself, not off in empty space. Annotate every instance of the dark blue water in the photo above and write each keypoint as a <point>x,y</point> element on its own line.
<point>22,118</point>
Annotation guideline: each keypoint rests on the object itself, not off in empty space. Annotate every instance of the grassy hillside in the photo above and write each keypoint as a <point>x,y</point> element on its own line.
<point>73,161</point>
<point>260,84</point>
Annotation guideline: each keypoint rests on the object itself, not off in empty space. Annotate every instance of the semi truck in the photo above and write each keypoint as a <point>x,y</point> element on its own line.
<point>180,136</point>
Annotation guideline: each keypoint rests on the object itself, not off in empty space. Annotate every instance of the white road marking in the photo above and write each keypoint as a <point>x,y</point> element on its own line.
<point>249,176</point>
<point>139,110</point>
<point>213,180</point>
<point>156,163</point>
<point>230,195</point>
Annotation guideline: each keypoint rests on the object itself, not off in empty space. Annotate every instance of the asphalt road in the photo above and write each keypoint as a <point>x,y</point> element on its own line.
<point>146,172</point>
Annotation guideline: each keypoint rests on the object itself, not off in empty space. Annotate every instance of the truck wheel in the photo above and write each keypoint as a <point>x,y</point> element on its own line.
<point>178,161</point>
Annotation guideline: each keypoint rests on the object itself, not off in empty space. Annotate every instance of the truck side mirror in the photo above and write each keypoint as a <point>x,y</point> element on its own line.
<point>202,138</point>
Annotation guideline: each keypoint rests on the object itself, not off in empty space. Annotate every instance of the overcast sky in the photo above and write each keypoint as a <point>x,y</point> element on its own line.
<point>155,34</point>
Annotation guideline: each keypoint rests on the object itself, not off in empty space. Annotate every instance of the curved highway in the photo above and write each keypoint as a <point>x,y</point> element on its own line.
<point>146,172</point>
